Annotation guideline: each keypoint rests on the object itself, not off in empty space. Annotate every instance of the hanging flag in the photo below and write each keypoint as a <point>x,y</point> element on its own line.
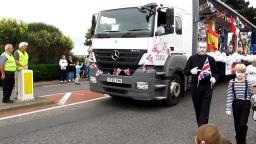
<point>206,70</point>
<point>117,71</point>
<point>212,8</point>
<point>150,58</point>
<point>239,24</point>
<point>144,67</point>
<point>127,71</point>
<point>99,72</point>
<point>93,66</point>
<point>232,25</point>
<point>212,40</point>
<point>155,50</point>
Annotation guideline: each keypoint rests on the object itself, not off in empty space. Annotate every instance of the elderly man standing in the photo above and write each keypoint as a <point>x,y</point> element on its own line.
<point>7,68</point>
<point>21,59</point>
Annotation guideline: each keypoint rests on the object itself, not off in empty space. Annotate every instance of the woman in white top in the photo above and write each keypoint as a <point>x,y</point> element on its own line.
<point>63,67</point>
<point>251,73</point>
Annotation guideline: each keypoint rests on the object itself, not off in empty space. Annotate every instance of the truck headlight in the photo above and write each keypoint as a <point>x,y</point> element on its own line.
<point>93,79</point>
<point>142,85</point>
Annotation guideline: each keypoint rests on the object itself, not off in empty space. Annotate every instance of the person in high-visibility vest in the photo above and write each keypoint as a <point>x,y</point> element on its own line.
<point>7,68</point>
<point>21,58</point>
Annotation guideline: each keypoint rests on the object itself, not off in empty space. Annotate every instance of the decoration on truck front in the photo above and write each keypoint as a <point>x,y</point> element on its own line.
<point>93,66</point>
<point>99,72</point>
<point>117,71</point>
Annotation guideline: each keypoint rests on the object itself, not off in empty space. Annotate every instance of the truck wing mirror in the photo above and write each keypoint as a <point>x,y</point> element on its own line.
<point>94,21</point>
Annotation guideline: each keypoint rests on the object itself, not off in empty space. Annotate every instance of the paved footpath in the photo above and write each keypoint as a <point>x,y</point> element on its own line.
<point>56,98</point>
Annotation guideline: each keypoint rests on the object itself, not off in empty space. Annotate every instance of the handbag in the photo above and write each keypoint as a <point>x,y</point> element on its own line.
<point>254,111</point>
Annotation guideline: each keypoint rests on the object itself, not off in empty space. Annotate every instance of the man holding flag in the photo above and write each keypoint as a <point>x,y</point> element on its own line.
<point>204,73</point>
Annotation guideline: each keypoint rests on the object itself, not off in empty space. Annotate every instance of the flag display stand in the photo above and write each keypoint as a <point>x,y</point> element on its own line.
<point>25,85</point>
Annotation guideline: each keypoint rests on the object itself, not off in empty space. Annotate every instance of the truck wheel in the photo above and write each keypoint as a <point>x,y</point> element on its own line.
<point>175,90</point>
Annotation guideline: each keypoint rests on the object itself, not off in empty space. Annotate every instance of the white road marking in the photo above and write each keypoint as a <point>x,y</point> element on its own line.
<point>51,94</point>
<point>54,85</point>
<point>64,99</point>
<point>60,93</point>
<point>43,110</point>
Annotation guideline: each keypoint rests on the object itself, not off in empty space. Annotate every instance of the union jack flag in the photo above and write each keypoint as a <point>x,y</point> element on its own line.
<point>93,66</point>
<point>206,70</point>
<point>117,71</point>
<point>155,50</point>
<point>127,71</point>
<point>99,72</point>
<point>144,67</point>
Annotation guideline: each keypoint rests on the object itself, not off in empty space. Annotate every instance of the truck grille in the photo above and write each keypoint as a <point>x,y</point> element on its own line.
<point>127,59</point>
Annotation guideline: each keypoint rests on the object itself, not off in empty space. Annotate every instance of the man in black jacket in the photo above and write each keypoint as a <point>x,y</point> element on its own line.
<point>204,73</point>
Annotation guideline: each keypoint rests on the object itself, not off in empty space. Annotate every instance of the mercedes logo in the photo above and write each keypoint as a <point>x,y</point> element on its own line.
<point>115,54</point>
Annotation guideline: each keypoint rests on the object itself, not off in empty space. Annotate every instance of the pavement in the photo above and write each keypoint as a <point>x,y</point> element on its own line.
<point>38,101</point>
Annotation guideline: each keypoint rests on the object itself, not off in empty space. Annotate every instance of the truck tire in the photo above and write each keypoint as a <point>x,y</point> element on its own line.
<point>175,90</point>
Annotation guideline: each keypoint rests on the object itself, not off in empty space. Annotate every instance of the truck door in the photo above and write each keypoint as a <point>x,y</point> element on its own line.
<point>178,42</point>
<point>165,32</point>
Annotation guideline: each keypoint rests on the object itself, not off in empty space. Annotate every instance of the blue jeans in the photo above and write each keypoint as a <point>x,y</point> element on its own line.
<point>87,72</point>
<point>70,75</point>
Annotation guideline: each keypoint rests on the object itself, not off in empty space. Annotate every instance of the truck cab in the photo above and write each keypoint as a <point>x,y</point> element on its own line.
<point>140,51</point>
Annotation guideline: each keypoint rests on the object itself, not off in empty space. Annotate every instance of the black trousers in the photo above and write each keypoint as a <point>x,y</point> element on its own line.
<point>8,84</point>
<point>241,111</point>
<point>63,75</point>
<point>201,96</point>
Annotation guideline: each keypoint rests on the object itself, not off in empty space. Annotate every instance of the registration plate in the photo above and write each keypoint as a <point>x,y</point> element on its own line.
<point>114,80</point>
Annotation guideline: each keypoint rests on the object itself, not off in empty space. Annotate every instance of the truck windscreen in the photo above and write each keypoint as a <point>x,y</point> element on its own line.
<point>126,22</point>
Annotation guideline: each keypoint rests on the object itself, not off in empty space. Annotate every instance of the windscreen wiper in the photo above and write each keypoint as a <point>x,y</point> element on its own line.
<point>102,35</point>
<point>111,31</point>
<point>138,30</point>
<point>128,34</point>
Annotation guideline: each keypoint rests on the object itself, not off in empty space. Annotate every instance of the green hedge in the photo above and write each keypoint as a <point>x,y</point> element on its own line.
<point>45,72</point>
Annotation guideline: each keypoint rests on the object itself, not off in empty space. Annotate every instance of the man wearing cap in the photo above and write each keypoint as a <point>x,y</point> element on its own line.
<point>21,59</point>
<point>7,68</point>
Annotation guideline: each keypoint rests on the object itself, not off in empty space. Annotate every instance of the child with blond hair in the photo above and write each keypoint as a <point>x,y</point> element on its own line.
<point>209,134</point>
<point>239,95</point>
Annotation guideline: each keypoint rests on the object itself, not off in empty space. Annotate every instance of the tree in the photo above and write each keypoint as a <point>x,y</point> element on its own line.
<point>242,7</point>
<point>11,31</point>
<point>46,42</point>
<point>88,37</point>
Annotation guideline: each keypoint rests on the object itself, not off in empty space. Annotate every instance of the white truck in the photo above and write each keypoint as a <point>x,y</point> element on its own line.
<point>139,51</point>
<point>152,41</point>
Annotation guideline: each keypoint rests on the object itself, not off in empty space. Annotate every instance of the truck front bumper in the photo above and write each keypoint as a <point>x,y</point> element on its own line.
<point>141,85</point>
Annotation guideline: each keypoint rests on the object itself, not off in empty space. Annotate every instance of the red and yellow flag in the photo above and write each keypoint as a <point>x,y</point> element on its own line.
<point>212,40</point>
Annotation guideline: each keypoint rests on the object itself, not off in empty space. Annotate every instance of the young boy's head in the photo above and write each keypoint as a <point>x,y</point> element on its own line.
<point>240,70</point>
<point>208,134</point>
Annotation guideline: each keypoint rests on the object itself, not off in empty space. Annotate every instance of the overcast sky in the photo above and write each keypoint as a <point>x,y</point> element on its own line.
<point>72,17</point>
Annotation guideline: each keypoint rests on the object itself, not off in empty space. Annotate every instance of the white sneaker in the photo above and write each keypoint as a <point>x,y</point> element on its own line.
<point>61,81</point>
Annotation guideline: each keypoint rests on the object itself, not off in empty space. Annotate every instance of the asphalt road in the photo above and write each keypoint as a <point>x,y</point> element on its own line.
<point>109,121</point>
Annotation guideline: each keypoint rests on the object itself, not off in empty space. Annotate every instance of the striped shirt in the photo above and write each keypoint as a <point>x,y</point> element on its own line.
<point>239,88</point>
